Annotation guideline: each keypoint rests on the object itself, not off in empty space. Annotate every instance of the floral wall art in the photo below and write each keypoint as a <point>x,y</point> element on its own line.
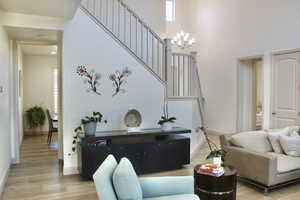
<point>119,79</point>
<point>91,78</point>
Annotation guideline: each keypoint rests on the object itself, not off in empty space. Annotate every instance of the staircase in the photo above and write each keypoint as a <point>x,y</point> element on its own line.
<point>177,71</point>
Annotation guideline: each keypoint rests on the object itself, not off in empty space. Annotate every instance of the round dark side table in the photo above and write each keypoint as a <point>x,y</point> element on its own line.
<point>216,188</point>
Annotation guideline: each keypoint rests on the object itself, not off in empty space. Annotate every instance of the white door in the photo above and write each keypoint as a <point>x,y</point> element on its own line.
<point>285,98</point>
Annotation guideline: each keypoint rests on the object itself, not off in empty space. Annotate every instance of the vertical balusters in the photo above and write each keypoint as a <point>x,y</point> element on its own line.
<point>157,54</point>
<point>142,41</point>
<point>106,12</point>
<point>173,75</point>
<point>119,19</point>
<point>113,16</point>
<point>189,76</point>
<point>124,24</point>
<point>152,53</point>
<point>147,47</point>
<point>130,35</point>
<point>183,75</point>
<point>100,10</point>
<point>136,35</point>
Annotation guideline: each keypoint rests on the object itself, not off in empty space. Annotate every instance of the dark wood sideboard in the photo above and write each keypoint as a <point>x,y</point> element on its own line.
<point>150,150</point>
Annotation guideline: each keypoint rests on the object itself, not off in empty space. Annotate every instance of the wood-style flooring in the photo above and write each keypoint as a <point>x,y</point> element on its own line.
<point>39,177</point>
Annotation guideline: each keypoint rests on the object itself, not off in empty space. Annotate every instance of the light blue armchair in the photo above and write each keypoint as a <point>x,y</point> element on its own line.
<point>154,188</point>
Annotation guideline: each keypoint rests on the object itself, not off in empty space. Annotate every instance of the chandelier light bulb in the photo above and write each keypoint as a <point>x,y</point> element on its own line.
<point>183,40</point>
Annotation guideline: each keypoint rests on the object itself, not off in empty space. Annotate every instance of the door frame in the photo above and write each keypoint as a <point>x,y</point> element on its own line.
<point>273,55</point>
<point>240,89</point>
<point>15,139</point>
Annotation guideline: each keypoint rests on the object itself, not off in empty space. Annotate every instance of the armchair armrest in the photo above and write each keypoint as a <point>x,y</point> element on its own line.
<point>260,167</point>
<point>163,186</point>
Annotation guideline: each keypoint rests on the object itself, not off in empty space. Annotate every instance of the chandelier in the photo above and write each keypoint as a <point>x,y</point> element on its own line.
<point>183,40</point>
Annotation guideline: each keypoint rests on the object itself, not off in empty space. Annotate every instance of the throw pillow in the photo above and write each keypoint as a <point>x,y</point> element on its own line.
<point>126,183</point>
<point>294,131</point>
<point>253,140</point>
<point>273,137</point>
<point>290,145</point>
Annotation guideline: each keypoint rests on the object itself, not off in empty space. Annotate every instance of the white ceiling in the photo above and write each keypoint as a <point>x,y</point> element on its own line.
<point>38,50</point>
<point>54,8</point>
<point>29,34</point>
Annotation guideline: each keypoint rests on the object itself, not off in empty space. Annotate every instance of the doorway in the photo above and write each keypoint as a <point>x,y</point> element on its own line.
<point>250,94</point>
<point>36,83</point>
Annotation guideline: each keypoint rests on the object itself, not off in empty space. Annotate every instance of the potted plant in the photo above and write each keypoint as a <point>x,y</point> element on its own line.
<point>90,123</point>
<point>36,117</point>
<point>216,154</point>
<point>87,127</point>
<point>166,122</point>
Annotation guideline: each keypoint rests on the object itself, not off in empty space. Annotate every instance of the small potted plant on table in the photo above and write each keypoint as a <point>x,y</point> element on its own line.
<point>216,154</point>
<point>166,122</point>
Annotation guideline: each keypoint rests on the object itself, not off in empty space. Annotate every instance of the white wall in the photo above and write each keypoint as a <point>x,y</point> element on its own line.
<point>188,116</point>
<point>5,154</point>
<point>38,83</point>
<point>100,52</point>
<point>152,12</point>
<point>232,29</point>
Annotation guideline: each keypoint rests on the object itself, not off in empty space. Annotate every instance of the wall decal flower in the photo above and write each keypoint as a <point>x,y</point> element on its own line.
<point>119,78</point>
<point>91,78</point>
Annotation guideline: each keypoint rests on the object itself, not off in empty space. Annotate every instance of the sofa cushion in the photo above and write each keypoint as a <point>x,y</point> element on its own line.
<point>176,197</point>
<point>290,145</point>
<point>253,140</point>
<point>286,163</point>
<point>126,182</point>
<point>103,178</point>
<point>273,136</point>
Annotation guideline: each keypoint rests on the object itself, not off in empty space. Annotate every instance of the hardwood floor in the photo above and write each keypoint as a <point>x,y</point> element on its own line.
<point>39,177</point>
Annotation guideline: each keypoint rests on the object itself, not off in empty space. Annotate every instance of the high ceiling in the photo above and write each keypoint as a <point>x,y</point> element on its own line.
<point>53,8</point>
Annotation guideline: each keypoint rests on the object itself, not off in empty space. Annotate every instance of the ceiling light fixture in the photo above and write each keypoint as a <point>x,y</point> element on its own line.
<point>53,52</point>
<point>183,40</point>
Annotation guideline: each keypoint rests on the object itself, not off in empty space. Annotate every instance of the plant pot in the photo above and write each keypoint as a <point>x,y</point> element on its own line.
<point>167,126</point>
<point>90,128</point>
<point>217,161</point>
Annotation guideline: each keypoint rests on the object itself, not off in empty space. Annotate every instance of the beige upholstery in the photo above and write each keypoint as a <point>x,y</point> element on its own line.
<point>273,137</point>
<point>286,163</point>
<point>268,168</point>
<point>255,140</point>
<point>290,145</point>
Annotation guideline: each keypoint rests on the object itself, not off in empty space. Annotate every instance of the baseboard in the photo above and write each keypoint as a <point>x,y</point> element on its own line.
<point>3,180</point>
<point>70,171</point>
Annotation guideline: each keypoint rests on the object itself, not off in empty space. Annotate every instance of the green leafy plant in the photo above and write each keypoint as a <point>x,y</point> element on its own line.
<point>216,153</point>
<point>79,132</point>
<point>165,118</point>
<point>97,117</point>
<point>35,116</point>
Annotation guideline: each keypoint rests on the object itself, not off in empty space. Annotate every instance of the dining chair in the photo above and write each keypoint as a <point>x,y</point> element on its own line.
<point>52,128</point>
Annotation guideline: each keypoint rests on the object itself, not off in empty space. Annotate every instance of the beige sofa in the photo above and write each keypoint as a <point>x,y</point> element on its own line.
<point>257,164</point>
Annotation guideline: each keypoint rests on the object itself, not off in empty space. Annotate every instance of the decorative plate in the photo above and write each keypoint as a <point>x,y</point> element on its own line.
<point>133,118</point>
